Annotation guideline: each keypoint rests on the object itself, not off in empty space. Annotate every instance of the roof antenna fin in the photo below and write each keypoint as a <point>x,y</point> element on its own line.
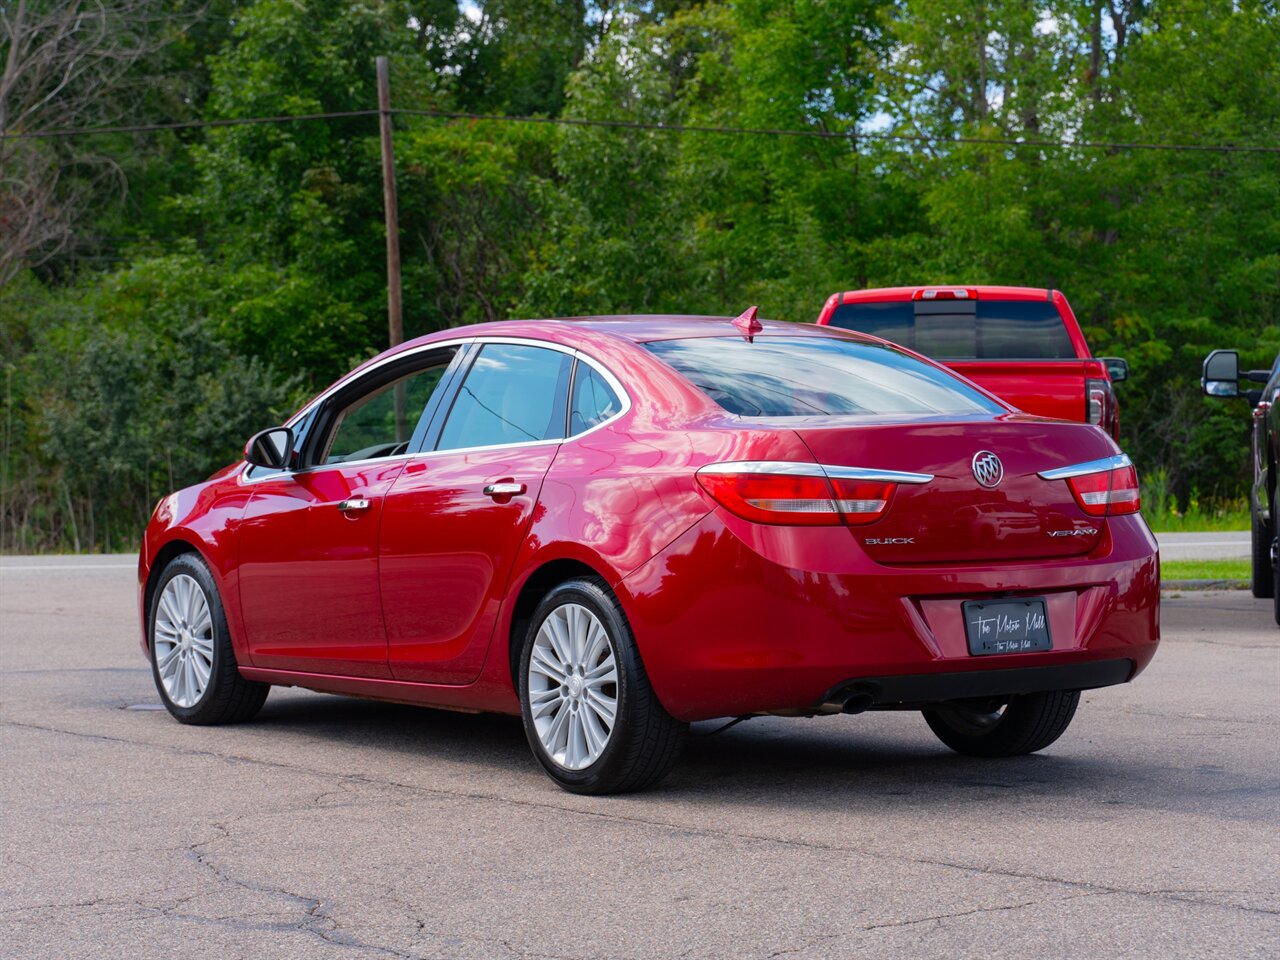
<point>748,324</point>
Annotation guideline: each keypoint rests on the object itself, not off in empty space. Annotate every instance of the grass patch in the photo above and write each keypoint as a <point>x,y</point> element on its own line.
<point>1205,570</point>
<point>1217,522</point>
<point>1165,514</point>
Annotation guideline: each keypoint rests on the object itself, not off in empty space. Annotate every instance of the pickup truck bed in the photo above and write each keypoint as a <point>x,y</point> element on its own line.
<point>1021,343</point>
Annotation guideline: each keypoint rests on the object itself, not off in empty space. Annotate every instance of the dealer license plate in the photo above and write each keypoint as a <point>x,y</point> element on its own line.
<point>1006,626</point>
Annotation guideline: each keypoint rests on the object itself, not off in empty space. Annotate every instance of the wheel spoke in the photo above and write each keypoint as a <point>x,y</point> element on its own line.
<point>596,733</point>
<point>577,633</point>
<point>602,673</point>
<point>189,679</point>
<point>167,662</point>
<point>203,623</point>
<point>597,645</point>
<point>542,702</point>
<point>577,752</point>
<point>200,670</point>
<point>604,707</point>
<point>168,611</point>
<point>542,663</point>
<point>557,637</point>
<point>558,734</point>
<point>204,647</point>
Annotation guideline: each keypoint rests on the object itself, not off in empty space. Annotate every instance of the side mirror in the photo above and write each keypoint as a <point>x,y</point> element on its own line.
<point>1220,376</point>
<point>270,448</point>
<point>1117,368</point>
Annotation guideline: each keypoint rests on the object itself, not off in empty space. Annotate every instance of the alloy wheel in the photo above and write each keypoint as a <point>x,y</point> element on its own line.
<point>183,640</point>
<point>573,686</point>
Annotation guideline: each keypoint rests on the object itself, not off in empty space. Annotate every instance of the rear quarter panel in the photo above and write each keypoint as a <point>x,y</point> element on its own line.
<point>617,496</point>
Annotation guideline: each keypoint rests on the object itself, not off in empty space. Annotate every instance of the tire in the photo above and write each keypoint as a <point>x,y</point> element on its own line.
<point>187,631</point>
<point>566,695</point>
<point>1275,574</point>
<point>1028,723</point>
<point>1264,573</point>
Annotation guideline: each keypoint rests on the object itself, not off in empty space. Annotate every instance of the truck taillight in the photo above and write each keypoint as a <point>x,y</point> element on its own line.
<point>797,494</point>
<point>1100,404</point>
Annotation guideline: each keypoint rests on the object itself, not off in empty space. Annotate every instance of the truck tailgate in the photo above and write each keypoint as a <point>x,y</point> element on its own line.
<point>1047,388</point>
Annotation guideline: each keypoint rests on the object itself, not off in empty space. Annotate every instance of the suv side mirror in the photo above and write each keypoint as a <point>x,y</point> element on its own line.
<point>1117,368</point>
<point>1220,376</point>
<point>270,448</point>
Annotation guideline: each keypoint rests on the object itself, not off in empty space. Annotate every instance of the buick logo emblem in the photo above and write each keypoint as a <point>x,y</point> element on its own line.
<point>987,468</point>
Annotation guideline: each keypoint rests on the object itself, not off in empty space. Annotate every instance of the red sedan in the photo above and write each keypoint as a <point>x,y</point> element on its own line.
<point>615,526</point>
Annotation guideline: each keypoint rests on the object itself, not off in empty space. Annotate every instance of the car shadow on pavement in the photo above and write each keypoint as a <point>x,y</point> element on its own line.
<point>850,763</point>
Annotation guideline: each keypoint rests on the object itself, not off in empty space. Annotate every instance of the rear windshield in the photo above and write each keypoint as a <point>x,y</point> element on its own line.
<point>814,376</point>
<point>965,330</point>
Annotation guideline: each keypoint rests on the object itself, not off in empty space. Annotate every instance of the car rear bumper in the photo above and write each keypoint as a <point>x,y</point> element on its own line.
<point>922,689</point>
<point>726,631</point>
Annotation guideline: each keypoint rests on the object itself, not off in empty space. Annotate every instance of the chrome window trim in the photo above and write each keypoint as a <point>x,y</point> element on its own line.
<point>796,469</point>
<point>1092,466</point>
<point>615,384</point>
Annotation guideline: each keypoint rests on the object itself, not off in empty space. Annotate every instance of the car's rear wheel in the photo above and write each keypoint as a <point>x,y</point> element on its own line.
<point>192,661</point>
<point>1022,725</point>
<point>589,711</point>
<point>1264,570</point>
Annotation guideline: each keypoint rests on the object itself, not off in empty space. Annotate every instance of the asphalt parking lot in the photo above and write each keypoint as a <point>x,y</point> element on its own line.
<point>333,827</point>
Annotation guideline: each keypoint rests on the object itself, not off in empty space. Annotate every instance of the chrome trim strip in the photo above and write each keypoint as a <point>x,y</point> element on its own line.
<point>795,469</point>
<point>623,396</point>
<point>788,467</point>
<point>1092,466</point>
<point>884,476</point>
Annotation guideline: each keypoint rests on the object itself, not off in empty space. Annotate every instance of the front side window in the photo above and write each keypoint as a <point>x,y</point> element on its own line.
<point>818,376</point>
<point>381,423</point>
<point>512,394</point>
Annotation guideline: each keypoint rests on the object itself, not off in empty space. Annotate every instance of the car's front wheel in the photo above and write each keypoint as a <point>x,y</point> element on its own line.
<point>192,660</point>
<point>1022,725</point>
<point>590,714</point>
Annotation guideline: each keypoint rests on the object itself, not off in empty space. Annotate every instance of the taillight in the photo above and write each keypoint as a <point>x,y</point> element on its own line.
<point>801,494</point>
<point>861,501</point>
<point>1100,402</point>
<point>1102,488</point>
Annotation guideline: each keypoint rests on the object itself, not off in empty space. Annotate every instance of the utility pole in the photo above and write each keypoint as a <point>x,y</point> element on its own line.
<point>395,318</point>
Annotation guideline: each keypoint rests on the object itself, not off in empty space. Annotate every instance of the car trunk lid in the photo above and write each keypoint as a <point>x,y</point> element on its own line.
<point>955,517</point>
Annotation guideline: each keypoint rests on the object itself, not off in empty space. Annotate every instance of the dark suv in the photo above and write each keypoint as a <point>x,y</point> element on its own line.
<point>1222,378</point>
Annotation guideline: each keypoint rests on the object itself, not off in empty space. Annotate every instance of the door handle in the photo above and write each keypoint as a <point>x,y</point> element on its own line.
<point>351,506</point>
<point>507,489</point>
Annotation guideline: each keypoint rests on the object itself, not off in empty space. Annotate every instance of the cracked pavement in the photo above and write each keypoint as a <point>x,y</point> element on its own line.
<point>336,827</point>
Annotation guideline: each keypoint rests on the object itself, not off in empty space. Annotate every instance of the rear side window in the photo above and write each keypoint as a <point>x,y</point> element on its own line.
<point>512,394</point>
<point>593,400</point>
<point>817,376</point>
<point>964,330</point>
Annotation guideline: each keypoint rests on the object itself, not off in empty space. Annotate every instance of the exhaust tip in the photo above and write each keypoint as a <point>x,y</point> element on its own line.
<point>847,701</point>
<point>857,703</point>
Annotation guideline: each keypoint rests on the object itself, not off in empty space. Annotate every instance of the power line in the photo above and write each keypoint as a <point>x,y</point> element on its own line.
<point>181,125</point>
<point>849,135</point>
<point>841,135</point>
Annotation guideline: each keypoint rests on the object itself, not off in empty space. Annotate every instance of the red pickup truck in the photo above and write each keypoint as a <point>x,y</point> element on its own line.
<point>1021,343</point>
